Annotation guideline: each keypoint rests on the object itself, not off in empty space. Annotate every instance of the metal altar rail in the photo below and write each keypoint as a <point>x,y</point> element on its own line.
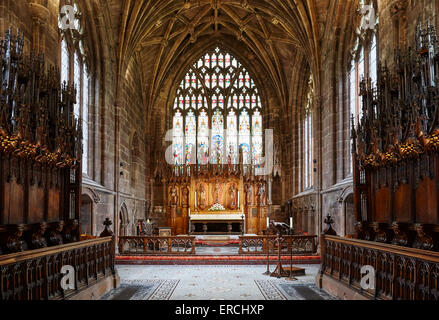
<point>36,274</point>
<point>401,273</point>
<point>260,244</point>
<point>156,245</point>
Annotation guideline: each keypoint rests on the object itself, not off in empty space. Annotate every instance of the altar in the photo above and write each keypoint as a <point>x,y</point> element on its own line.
<point>217,223</point>
<point>216,200</point>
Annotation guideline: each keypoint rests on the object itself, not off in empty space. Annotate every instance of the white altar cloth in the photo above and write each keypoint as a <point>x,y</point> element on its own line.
<point>216,217</point>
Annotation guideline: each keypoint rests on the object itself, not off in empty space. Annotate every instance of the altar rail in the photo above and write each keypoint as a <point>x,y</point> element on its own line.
<point>259,245</point>
<point>401,273</point>
<point>156,245</point>
<point>36,274</point>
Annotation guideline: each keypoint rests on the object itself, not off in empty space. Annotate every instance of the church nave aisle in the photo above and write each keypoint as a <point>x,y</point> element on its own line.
<point>172,282</point>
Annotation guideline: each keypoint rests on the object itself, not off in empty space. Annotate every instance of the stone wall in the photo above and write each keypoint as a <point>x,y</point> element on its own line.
<point>37,21</point>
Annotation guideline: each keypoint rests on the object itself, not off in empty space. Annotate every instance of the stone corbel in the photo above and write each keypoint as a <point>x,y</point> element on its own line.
<point>398,7</point>
<point>40,15</point>
<point>95,196</point>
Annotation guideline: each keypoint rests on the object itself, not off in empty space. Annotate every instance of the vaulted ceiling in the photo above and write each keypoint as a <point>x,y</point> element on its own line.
<point>282,41</point>
<point>160,30</point>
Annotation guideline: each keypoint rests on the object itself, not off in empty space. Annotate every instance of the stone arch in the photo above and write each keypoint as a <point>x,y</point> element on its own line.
<point>349,215</point>
<point>346,198</point>
<point>124,220</point>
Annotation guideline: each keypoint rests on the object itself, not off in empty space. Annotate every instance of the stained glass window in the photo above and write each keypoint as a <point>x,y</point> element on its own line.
<point>64,62</point>
<point>307,138</point>
<point>190,135</point>
<point>221,118</point>
<point>365,60</point>
<point>178,138</point>
<point>203,138</point>
<point>74,48</point>
<point>77,76</point>
<point>85,103</point>
<point>217,137</point>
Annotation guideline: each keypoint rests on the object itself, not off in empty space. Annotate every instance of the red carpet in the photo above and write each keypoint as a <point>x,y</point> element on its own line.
<point>213,260</point>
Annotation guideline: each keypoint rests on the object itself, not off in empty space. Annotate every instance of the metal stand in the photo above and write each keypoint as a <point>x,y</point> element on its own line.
<point>267,273</point>
<point>291,277</point>
<point>279,272</point>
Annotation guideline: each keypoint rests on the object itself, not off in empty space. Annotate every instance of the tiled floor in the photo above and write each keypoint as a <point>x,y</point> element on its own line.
<point>212,283</point>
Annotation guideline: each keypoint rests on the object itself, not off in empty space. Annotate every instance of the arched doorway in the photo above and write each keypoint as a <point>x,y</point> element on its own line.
<point>123,220</point>
<point>86,215</point>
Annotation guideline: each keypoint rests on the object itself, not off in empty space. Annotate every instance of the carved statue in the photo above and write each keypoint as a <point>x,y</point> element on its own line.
<point>423,240</point>
<point>261,194</point>
<point>202,197</point>
<point>37,239</point>
<point>249,194</point>
<point>232,197</point>
<point>185,195</point>
<point>173,196</point>
<point>54,236</point>
<point>14,241</point>
<point>216,192</point>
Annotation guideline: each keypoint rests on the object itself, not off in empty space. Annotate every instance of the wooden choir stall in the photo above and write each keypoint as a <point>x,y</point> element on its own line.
<point>40,184</point>
<point>396,184</point>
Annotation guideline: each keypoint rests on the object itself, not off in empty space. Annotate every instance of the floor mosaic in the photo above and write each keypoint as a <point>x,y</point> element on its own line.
<point>222,282</point>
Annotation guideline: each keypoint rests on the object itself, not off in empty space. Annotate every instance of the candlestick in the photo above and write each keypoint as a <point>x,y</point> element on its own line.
<point>238,199</point>
<point>196,200</point>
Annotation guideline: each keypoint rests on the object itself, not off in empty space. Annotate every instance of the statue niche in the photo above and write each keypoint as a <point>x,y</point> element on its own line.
<point>248,195</point>
<point>261,195</point>
<point>232,197</point>
<point>201,197</point>
<point>185,196</point>
<point>216,192</point>
<point>173,196</point>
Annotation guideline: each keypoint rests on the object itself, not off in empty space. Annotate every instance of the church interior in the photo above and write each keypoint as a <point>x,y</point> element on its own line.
<point>219,149</point>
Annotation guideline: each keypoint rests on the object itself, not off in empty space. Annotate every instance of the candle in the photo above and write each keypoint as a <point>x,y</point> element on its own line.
<point>291,222</point>
<point>195,200</point>
<point>268,222</point>
<point>238,199</point>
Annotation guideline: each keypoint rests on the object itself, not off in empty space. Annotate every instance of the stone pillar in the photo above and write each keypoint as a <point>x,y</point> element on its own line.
<point>40,15</point>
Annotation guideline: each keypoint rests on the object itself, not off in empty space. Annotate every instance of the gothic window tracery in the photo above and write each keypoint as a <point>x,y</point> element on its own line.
<point>219,106</point>
<point>307,138</point>
<point>74,69</point>
<point>364,65</point>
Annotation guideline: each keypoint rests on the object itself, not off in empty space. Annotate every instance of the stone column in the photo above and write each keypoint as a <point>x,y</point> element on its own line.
<point>40,15</point>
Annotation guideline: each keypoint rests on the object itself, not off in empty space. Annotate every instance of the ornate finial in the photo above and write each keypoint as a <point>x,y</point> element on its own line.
<point>329,222</point>
<point>107,232</point>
